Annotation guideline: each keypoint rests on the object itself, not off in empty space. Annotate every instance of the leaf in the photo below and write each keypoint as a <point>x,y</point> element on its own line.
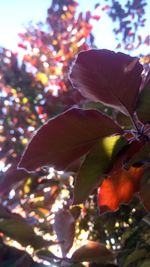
<point>46,255</point>
<point>19,263</point>
<point>22,232</point>
<point>143,104</point>
<point>66,138</point>
<point>25,260</point>
<point>145,190</point>
<point>123,120</point>
<point>111,78</point>
<point>75,211</point>
<point>135,256</point>
<point>11,256</point>
<point>11,177</point>
<point>5,213</point>
<point>146,263</point>
<point>64,227</point>
<point>142,156</point>
<point>77,265</point>
<point>97,162</point>
<point>42,77</point>
<point>119,188</point>
<point>93,252</point>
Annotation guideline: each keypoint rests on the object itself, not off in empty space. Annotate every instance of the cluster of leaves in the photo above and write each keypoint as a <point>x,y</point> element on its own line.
<point>50,49</point>
<point>76,140</point>
<point>112,157</point>
<point>128,17</point>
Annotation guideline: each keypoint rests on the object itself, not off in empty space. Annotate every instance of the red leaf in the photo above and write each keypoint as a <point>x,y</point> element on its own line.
<point>112,78</point>
<point>119,188</point>
<point>22,46</point>
<point>105,7</point>
<point>96,17</point>
<point>66,138</point>
<point>64,227</point>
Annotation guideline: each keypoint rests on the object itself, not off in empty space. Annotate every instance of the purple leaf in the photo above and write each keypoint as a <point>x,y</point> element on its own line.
<point>66,138</point>
<point>11,177</point>
<point>64,227</point>
<point>111,78</point>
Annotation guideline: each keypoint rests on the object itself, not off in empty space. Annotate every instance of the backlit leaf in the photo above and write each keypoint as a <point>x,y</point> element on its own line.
<point>119,188</point>
<point>97,162</point>
<point>22,232</point>
<point>67,137</point>
<point>42,77</point>
<point>112,78</point>
<point>64,227</point>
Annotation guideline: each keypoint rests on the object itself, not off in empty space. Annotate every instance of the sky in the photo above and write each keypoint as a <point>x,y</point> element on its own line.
<point>15,14</point>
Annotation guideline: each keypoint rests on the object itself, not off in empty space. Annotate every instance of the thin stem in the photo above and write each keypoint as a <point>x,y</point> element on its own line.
<point>134,123</point>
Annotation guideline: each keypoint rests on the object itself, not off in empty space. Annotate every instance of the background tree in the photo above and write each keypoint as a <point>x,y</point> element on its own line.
<point>129,18</point>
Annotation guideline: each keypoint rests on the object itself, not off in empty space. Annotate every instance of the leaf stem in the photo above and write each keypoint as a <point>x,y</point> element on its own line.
<point>135,123</point>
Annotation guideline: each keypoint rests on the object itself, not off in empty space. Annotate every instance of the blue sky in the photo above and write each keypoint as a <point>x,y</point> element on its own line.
<point>15,14</point>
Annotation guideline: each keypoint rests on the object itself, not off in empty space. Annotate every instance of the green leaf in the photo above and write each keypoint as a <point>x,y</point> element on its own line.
<point>145,263</point>
<point>46,254</point>
<point>14,226</point>
<point>5,213</point>
<point>135,256</point>
<point>97,163</point>
<point>22,232</point>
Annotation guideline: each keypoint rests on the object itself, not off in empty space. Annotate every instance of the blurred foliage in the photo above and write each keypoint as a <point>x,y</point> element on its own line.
<point>129,17</point>
<point>32,92</point>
